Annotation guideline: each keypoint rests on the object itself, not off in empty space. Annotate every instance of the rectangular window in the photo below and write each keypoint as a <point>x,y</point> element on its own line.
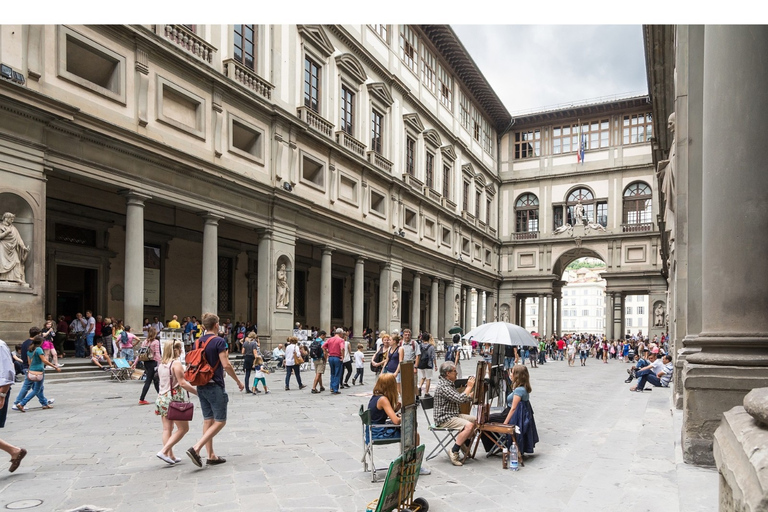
<point>488,203</point>
<point>382,31</point>
<point>245,45</point>
<point>90,65</point>
<point>347,110</point>
<point>527,144</point>
<point>465,197</point>
<point>410,156</point>
<point>313,172</point>
<point>602,213</point>
<point>427,68</point>
<point>637,128</point>
<point>378,203</point>
<point>311,85</point>
<point>376,119</point>
<point>487,141</point>
<point>429,170</point>
<point>640,310</point>
<point>629,310</point>
<point>409,44</point>
<point>596,134</point>
<point>478,199</point>
<point>447,181</point>
<point>557,216</point>
<point>446,88</point>
<point>565,139</point>
<point>629,322</point>
<point>246,140</point>
<point>410,218</point>
<point>446,237</point>
<point>465,107</point>
<point>225,273</point>
<point>584,312</point>
<point>477,120</point>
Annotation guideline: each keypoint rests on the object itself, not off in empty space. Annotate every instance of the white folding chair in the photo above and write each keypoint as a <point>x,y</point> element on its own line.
<point>369,443</point>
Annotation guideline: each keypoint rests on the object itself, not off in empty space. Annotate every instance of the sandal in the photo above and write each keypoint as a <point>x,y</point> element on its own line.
<point>20,408</point>
<point>47,407</point>
<point>16,461</point>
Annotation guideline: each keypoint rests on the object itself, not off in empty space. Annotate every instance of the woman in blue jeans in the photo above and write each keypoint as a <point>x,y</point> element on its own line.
<point>33,387</point>
<point>290,363</point>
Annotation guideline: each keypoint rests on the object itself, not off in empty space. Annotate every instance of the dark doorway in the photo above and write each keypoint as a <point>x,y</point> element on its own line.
<point>75,290</point>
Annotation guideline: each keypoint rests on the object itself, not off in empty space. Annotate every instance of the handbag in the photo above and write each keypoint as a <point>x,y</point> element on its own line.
<point>297,359</point>
<point>35,376</point>
<point>145,353</point>
<point>180,411</point>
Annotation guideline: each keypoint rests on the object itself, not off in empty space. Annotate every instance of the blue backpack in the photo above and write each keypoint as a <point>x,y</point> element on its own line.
<point>450,353</point>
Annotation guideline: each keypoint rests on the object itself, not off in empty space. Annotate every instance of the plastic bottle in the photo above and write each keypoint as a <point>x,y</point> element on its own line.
<point>505,458</point>
<point>513,460</point>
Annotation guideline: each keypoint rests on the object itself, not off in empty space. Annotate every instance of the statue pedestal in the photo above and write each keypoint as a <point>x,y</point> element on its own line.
<point>6,286</point>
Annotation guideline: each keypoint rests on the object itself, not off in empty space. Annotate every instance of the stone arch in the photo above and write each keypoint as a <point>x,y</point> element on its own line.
<point>572,255</point>
<point>24,223</point>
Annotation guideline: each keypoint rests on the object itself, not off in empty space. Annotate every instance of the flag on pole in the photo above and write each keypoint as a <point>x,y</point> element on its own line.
<point>582,145</point>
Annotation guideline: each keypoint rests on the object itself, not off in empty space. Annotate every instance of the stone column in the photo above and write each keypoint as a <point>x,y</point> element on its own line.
<point>550,315</point>
<point>733,340</point>
<point>467,325</point>
<point>542,317</point>
<point>559,318</point>
<point>416,304</point>
<point>210,262</point>
<point>385,304</point>
<point>513,310</point>
<point>133,313</point>
<point>521,311</point>
<point>357,299</point>
<point>434,303</point>
<point>489,309</point>
<point>448,313</point>
<point>325,289</point>
<point>265,305</point>
<point>609,298</point>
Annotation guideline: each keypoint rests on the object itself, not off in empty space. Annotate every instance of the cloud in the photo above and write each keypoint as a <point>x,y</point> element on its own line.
<point>532,67</point>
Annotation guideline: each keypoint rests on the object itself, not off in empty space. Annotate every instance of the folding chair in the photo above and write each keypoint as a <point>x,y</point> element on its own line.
<point>122,370</point>
<point>369,442</point>
<point>448,437</point>
<point>237,364</point>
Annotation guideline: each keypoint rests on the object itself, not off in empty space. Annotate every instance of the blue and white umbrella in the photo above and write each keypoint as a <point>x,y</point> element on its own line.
<point>502,333</point>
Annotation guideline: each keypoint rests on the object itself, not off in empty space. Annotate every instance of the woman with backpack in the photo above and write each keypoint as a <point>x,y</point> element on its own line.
<point>453,353</point>
<point>173,388</point>
<point>149,354</point>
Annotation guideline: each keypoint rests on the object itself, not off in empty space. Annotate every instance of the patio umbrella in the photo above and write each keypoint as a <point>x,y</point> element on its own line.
<point>502,333</point>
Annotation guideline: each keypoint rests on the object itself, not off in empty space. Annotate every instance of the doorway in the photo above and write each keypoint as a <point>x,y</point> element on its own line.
<point>75,290</point>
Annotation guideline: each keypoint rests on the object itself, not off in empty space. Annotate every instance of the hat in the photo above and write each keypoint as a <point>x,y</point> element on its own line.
<point>655,350</point>
<point>339,330</point>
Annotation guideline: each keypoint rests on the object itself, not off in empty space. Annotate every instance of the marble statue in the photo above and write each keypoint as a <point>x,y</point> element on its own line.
<point>456,308</point>
<point>505,313</point>
<point>658,315</point>
<point>562,229</point>
<point>596,226</point>
<point>493,313</point>
<point>578,213</point>
<point>666,172</point>
<point>13,251</point>
<point>395,304</point>
<point>283,292</point>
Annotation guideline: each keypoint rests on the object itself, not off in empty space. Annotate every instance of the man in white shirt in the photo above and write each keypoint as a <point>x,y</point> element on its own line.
<point>651,373</point>
<point>279,354</point>
<point>158,325</point>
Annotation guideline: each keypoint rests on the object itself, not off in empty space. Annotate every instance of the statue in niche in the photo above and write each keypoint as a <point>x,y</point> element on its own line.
<point>659,315</point>
<point>578,213</point>
<point>666,173</point>
<point>493,313</point>
<point>13,251</point>
<point>283,292</point>
<point>456,308</point>
<point>395,304</point>
<point>505,313</point>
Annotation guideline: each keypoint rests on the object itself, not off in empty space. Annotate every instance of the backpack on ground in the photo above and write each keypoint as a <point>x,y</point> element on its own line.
<point>316,350</point>
<point>199,372</point>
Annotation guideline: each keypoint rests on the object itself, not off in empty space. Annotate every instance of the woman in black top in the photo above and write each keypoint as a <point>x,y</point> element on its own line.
<point>250,352</point>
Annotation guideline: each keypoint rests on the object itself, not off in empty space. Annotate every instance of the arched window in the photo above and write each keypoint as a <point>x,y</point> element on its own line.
<point>527,213</point>
<point>638,204</point>
<point>594,211</point>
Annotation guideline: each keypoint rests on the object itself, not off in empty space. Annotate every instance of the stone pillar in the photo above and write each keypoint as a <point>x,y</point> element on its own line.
<point>385,303</point>
<point>542,317</point>
<point>733,340</point>
<point>133,314</point>
<point>210,263</point>
<point>449,313</point>
<point>416,304</point>
<point>479,307</point>
<point>559,318</point>
<point>325,289</point>
<point>521,311</point>
<point>434,303</point>
<point>550,315</point>
<point>467,325</point>
<point>609,299</point>
<point>265,305</point>
<point>490,313</point>
<point>357,299</point>
<point>513,310</point>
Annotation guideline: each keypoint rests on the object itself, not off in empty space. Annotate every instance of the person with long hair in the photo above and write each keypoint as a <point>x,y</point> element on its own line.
<point>291,350</point>
<point>49,333</point>
<point>519,411</point>
<point>36,376</point>
<point>172,389</point>
<point>150,366</point>
<point>250,352</point>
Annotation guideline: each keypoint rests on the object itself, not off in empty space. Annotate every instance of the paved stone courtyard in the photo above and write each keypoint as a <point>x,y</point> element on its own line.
<point>601,449</point>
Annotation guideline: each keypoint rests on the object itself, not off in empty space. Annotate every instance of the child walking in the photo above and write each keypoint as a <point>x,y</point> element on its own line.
<point>359,364</point>
<point>258,375</point>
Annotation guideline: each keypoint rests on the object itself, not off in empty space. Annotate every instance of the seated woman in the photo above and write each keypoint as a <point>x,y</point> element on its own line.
<point>99,355</point>
<point>383,407</point>
<point>518,412</point>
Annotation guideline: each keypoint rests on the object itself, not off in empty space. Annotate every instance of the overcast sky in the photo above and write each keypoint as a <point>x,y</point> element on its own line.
<point>532,67</point>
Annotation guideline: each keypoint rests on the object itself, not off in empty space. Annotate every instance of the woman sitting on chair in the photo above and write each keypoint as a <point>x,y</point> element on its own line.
<point>518,412</point>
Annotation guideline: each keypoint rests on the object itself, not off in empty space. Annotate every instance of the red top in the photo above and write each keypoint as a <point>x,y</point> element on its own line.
<point>97,329</point>
<point>335,346</point>
<point>560,344</point>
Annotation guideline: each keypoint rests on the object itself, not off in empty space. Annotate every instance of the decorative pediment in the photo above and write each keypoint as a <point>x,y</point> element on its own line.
<point>490,189</point>
<point>316,36</point>
<point>480,179</point>
<point>380,91</point>
<point>412,121</point>
<point>468,170</point>
<point>431,136</point>
<point>448,152</point>
<point>352,66</point>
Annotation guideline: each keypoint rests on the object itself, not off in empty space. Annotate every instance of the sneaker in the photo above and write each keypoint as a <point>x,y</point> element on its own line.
<point>195,457</point>
<point>143,402</point>
<point>287,389</point>
<point>424,471</point>
<point>59,365</point>
<point>14,407</point>
<point>256,391</point>
<point>165,458</point>
<point>455,460</point>
<point>302,386</point>
<point>266,392</point>
<point>248,391</point>
<point>176,460</point>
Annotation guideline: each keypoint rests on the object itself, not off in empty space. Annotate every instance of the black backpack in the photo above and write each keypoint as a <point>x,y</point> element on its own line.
<point>426,356</point>
<point>377,358</point>
<point>316,350</point>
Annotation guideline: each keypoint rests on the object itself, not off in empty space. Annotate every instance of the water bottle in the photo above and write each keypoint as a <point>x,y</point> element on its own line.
<point>513,466</point>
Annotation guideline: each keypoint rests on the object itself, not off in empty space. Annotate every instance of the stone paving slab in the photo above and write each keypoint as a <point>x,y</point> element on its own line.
<point>601,448</point>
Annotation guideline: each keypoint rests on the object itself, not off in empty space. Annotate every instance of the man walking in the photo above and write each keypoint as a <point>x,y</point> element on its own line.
<point>213,397</point>
<point>334,349</point>
<point>7,377</point>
